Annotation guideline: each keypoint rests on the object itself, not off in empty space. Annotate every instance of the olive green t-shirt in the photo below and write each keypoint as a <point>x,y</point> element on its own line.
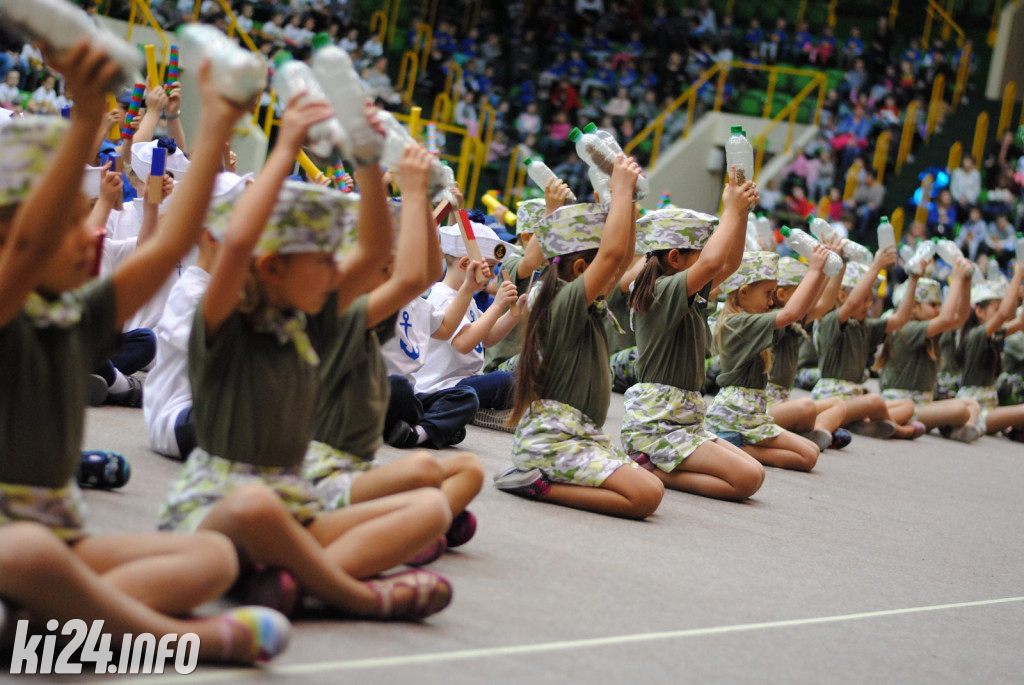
<point>981,357</point>
<point>618,305</point>
<point>948,342</point>
<point>844,350</point>
<point>44,372</point>
<point>808,354</point>
<point>1013,354</point>
<point>743,338</point>
<point>784,356</point>
<point>671,338</point>
<point>910,366</point>
<point>508,347</point>
<point>354,383</point>
<point>254,399</point>
<point>575,354</point>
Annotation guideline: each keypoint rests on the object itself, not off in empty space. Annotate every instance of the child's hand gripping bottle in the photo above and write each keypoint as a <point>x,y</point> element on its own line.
<point>643,186</point>
<point>539,172</point>
<point>292,76</point>
<point>334,70</point>
<point>238,73</point>
<point>803,244</point>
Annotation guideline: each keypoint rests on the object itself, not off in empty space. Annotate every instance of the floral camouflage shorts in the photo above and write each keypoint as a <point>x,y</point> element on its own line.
<point>742,410</point>
<point>837,387</point>
<point>509,365</point>
<point>986,395</point>
<point>623,365</point>
<point>807,377</point>
<point>664,422</point>
<point>205,479</point>
<point>331,471</point>
<point>946,385</point>
<point>776,394</point>
<point>918,397</point>
<point>1011,389</point>
<point>566,445</point>
<point>62,510</point>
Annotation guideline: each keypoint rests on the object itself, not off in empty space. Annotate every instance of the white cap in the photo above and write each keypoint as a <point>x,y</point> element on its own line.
<point>142,156</point>
<point>491,246</point>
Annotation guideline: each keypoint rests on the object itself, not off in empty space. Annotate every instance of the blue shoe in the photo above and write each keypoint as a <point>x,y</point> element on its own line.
<point>103,470</point>
<point>840,438</point>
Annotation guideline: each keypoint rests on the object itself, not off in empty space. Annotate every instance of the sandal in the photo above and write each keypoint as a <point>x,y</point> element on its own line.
<point>271,587</point>
<point>462,529</point>
<point>431,593</point>
<point>269,631</point>
<point>431,553</point>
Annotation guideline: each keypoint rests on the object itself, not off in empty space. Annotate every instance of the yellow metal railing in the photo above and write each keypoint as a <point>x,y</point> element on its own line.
<point>921,213</point>
<point>142,7</point>
<point>424,41</point>
<point>881,157</point>
<point>896,219</point>
<point>1006,111</point>
<point>789,113</point>
<point>948,24</point>
<point>980,135</point>
<point>936,106</point>
<point>956,154</point>
<point>907,136</point>
<point>720,72</point>
<point>407,73</point>
<point>379,24</point>
<point>963,74</point>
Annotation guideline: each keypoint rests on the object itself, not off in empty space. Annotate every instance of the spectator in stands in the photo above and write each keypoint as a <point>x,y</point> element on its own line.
<point>971,238</point>
<point>853,48</point>
<point>619,106</point>
<point>965,184</point>
<point>1000,239</point>
<point>1004,154</point>
<point>10,96</point>
<point>942,215</point>
<point>867,202</point>
<point>466,113</point>
<point>824,53</point>
<point>528,121</point>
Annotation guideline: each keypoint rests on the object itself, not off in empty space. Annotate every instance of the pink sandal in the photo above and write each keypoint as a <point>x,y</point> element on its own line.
<point>431,593</point>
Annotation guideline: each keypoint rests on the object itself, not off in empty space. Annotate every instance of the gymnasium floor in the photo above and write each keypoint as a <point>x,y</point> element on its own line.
<point>892,562</point>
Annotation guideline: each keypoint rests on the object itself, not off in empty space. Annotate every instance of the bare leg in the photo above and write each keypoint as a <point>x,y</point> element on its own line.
<point>367,538</point>
<point>33,562</point>
<point>1001,418</point>
<point>900,411</point>
<point>463,480</point>
<point>628,492</point>
<point>831,414</point>
<point>870,407</point>
<point>716,469</point>
<point>944,413</point>
<point>787,451</point>
<point>172,573</point>
<point>256,520</point>
<point>795,415</point>
<point>418,470</point>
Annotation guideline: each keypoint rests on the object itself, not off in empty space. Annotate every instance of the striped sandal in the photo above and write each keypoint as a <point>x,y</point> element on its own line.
<point>431,593</point>
<point>268,630</point>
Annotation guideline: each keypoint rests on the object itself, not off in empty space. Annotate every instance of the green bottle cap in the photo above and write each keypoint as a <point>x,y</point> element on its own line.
<point>590,128</point>
<point>575,134</point>
<point>884,220</point>
<point>321,39</point>
<point>282,57</point>
<point>736,129</point>
<point>785,231</point>
<point>528,161</point>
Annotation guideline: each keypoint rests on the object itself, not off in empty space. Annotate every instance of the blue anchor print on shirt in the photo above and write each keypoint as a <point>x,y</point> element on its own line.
<point>479,349</point>
<point>411,351</point>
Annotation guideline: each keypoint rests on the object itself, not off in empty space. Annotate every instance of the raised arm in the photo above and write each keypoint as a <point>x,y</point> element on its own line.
<point>458,306</point>
<point>949,314</point>
<point>1009,303</point>
<point>172,112</point>
<point>724,250</point>
<point>417,271</point>
<point>156,100</point>
<point>901,316</point>
<point>883,258</point>
<point>110,192</point>
<point>619,237</point>
<point>248,220</point>
<point>803,297</point>
<point>42,220</point>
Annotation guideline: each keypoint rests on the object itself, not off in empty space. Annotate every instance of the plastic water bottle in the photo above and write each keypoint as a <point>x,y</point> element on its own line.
<point>764,232</point>
<point>906,252</point>
<point>643,186</point>
<point>600,183</point>
<point>923,253</point>
<point>886,234</point>
<point>333,68</point>
<point>541,174</point>
<point>59,25</point>
<point>753,242</point>
<point>803,244</point>
<point>993,272</point>
<point>739,156</point>
<point>949,252</point>
<point>292,76</point>
<point>396,139</point>
<point>855,252</point>
<point>820,229</point>
<point>1019,247</point>
<point>238,73</point>
<point>594,151</point>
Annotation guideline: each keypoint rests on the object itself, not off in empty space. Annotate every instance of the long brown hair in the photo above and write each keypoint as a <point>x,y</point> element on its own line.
<point>531,371</point>
<point>642,296</point>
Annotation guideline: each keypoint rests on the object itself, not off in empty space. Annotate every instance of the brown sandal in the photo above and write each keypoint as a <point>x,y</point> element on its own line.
<point>431,593</point>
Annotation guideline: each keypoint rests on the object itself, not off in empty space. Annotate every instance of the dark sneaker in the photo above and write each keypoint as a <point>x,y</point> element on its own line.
<point>459,436</point>
<point>821,438</point>
<point>642,460</point>
<point>462,529</point>
<point>103,470</point>
<point>840,438</point>
<point>495,419</point>
<point>532,483</point>
<point>132,397</point>
<point>97,390</point>
<point>873,429</point>
<point>401,435</point>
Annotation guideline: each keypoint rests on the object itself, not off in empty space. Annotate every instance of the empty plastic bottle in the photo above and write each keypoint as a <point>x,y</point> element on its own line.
<point>803,244</point>
<point>753,242</point>
<point>595,151</point>
<point>292,76</point>
<point>949,251</point>
<point>59,25</point>
<point>333,68</point>
<point>643,186</point>
<point>764,232</point>
<point>238,73</point>
<point>906,252</point>
<point>993,272</point>
<point>923,253</point>
<point>600,183</point>
<point>1019,254</point>
<point>886,234</point>
<point>739,156</point>
<point>819,228</point>
<point>855,252</point>
<point>396,138</point>
<point>539,172</point>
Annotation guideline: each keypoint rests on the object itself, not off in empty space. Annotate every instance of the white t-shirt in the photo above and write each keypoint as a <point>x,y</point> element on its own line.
<point>10,94</point>
<point>447,366</point>
<point>406,353</point>
<point>167,388</point>
<point>148,315</point>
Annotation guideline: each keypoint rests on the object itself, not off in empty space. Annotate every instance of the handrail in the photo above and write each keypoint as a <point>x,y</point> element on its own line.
<point>896,219</point>
<point>425,34</point>
<point>379,19</point>
<point>443,109</point>
<point>819,80</point>
<point>485,127</point>
<point>933,9</point>
<point>921,213</point>
<point>956,153</point>
<point>963,74</point>
<point>935,105</point>
<point>453,84</point>
<point>907,135</point>
<point>1006,111</point>
<point>980,135</point>
<point>407,75</point>
<point>143,7</point>
<point>471,15</point>
<point>233,26</point>
<point>881,158</point>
